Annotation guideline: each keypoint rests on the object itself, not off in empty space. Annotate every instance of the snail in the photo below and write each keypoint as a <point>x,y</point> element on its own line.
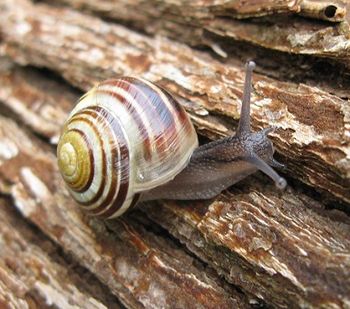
<point>128,140</point>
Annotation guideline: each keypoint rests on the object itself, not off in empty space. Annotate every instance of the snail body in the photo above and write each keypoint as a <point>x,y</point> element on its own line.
<point>128,139</point>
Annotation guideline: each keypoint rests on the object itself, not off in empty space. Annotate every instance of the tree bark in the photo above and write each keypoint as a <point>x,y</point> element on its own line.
<point>275,35</point>
<point>32,269</point>
<point>294,35</point>
<point>206,10</point>
<point>314,145</point>
<point>252,245</point>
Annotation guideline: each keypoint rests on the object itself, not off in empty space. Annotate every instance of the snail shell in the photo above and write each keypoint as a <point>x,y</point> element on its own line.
<point>124,137</point>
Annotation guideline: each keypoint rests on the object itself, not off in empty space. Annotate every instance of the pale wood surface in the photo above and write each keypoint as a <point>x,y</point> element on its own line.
<point>252,245</point>
<point>33,273</point>
<point>314,144</point>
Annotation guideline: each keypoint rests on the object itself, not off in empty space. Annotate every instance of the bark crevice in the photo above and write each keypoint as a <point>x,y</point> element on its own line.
<point>250,246</point>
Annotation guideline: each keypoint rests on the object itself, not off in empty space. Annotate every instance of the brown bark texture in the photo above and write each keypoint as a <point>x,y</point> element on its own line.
<point>252,246</point>
<point>286,33</point>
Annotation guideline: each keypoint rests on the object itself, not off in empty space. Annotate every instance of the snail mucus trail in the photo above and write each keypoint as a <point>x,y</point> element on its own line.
<point>129,140</point>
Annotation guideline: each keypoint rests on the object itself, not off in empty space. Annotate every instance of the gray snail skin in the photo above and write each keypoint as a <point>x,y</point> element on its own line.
<point>129,140</point>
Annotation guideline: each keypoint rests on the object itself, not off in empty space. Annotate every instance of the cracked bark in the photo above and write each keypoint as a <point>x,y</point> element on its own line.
<point>85,50</point>
<point>321,50</point>
<point>251,230</point>
<point>198,9</point>
<point>191,23</point>
<point>34,275</point>
<point>251,244</point>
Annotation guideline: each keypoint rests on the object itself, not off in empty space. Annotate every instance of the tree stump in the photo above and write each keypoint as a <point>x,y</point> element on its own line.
<point>252,246</point>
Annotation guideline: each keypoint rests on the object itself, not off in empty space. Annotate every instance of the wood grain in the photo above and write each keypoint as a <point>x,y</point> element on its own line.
<point>252,246</point>
<point>191,23</point>
<point>33,274</point>
<point>312,126</point>
<point>268,243</point>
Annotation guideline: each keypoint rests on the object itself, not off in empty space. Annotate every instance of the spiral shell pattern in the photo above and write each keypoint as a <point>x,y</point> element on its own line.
<point>124,137</point>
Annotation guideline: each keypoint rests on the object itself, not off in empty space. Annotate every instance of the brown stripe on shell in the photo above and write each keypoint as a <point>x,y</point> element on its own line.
<point>135,115</point>
<point>165,131</point>
<point>115,205</point>
<point>158,126</point>
<point>91,124</point>
<point>181,113</point>
<point>182,116</point>
<point>92,166</point>
<point>169,132</point>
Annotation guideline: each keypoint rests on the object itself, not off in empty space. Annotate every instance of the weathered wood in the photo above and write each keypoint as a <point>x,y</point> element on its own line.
<point>267,242</point>
<point>312,126</point>
<point>207,10</point>
<point>292,35</point>
<point>252,245</point>
<point>324,9</point>
<point>232,40</point>
<point>273,242</point>
<point>193,9</point>
<point>38,102</point>
<point>33,275</point>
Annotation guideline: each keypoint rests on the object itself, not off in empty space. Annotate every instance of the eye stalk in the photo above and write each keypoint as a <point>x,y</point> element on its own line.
<point>261,147</point>
<point>244,122</point>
